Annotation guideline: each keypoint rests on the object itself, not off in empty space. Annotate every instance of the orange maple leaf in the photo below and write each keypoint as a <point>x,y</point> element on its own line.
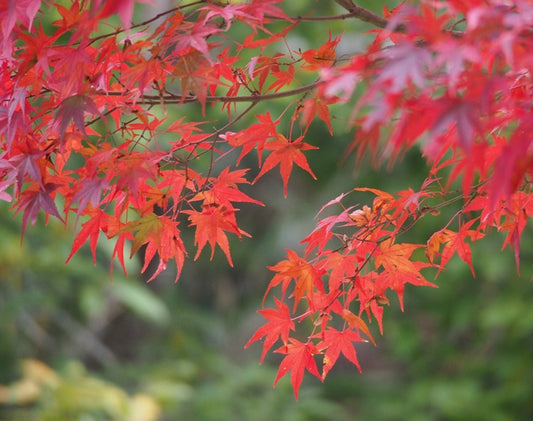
<point>396,257</point>
<point>305,275</point>
<point>356,323</point>
<point>324,56</point>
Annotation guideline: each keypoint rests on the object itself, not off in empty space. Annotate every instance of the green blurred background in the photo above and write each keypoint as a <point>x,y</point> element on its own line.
<point>75,345</point>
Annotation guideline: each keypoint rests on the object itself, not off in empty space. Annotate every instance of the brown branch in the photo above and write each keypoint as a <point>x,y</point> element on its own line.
<point>187,99</point>
<point>320,18</point>
<point>377,20</point>
<point>366,15</point>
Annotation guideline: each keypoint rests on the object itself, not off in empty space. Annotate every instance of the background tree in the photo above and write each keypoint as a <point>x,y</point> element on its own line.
<point>87,139</point>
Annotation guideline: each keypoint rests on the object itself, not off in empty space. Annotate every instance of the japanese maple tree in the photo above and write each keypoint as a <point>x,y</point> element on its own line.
<point>86,138</point>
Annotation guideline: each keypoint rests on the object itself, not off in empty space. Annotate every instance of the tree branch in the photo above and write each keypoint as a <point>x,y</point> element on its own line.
<point>366,15</point>
<point>321,18</point>
<point>379,21</point>
<point>187,99</point>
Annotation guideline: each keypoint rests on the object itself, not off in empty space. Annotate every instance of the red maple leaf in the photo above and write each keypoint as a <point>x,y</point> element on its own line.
<point>34,199</point>
<point>454,242</point>
<point>336,342</point>
<point>28,163</point>
<point>464,6</point>
<point>22,11</point>
<point>462,116</point>
<point>254,137</point>
<point>299,359</point>
<point>228,13</point>
<point>313,107</point>
<point>74,108</point>
<point>196,38</point>
<point>283,78</point>
<point>278,327</point>
<point>224,189</point>
<point>124,8</point>
<point>211,226</point>
<point>405,65</point>
<point>90,229</point>
<point>396,280</point>
<point>160,233</point>
<point>90,192</point>
<point>286,153</point>
<point>397,257</point>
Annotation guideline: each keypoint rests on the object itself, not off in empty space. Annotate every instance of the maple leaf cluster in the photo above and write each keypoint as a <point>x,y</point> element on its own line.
<point>87,138</point>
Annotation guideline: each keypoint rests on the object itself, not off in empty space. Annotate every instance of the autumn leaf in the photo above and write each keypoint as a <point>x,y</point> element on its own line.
<point>22,11</point>
<point>228,13</point>
<point>103,124</point>
<point>324,231</point>
<point>283,78</point>
<point>516,214</point>
<point>211,224</point>
<point>286,153</point>
<point>396,257</point>
<point>304,274</point>
<point>371,301</point>
<point>89,193</point>
<point>90,229</point>
<point>316,107</point>
<point>254,137</point>
<point>195,74</point>
<point>464,6</point>
<point>324,56</point>
<point>298,359</point>
<point>355,322</point>
<point>251,43</point>
<point>34,199</point>
<point>405,64</point>
<point>124,8</point>
<point>385,196</point>
<point>224,189</point>
<point>454,242</point>
<point>196,38</point>
<point>73,109</point>
<point>278,326</point>
<point>160,234</point>
<point>28,163</point>
<point>461,115</point>
<point>396,281</point>
<point>336,342</point>
<point>341,267</point>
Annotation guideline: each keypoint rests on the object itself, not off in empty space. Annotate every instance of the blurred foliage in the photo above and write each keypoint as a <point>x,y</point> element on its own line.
<point>44,395</point>
<point>114,348</point>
